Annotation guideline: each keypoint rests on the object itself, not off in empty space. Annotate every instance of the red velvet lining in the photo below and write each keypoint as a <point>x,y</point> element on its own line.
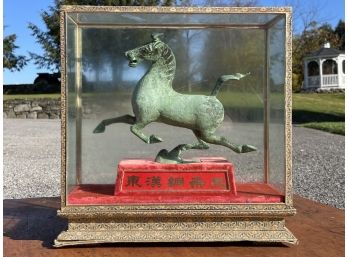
<point>142,189</point>
<point>104,194</point>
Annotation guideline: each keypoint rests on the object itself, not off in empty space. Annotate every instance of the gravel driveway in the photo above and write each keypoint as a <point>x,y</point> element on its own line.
<point>32,162</point>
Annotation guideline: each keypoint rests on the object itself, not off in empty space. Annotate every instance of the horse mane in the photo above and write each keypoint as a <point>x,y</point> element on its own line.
<point>169,59</point>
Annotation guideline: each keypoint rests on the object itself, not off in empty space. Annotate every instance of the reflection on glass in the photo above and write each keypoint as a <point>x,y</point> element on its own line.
<point>276,57</point>
<point>115,19</point>
<point>71,105</point>
<point>202,56</point>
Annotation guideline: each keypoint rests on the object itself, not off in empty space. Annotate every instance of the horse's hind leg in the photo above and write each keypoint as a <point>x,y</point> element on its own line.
<point>174,156</point>
<point>218,140</point>
<point>200,145</point>
<point>178,150</point>
<point>136,130</point>
<point>128,119</point>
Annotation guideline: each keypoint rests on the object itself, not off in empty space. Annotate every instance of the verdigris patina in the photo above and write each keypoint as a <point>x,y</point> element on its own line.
<point>155,100</point>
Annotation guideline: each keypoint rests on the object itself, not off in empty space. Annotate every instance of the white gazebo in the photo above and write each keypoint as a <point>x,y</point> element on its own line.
<point>324,69</point>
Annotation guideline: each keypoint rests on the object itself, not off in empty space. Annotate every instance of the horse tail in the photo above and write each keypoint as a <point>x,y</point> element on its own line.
<point>224,78</point>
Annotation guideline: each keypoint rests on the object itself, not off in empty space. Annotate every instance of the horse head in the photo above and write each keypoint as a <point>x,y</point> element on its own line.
<point>151,51</point>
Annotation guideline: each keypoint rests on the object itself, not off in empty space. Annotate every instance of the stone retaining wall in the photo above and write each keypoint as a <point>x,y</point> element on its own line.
<point>32,109</point>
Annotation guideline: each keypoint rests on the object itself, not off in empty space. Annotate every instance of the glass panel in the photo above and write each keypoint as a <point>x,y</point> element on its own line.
<point>276,98</point>
<point>100,85</point>
<point>172,19</point>
<point>71,103</point>
<point>201,57</point>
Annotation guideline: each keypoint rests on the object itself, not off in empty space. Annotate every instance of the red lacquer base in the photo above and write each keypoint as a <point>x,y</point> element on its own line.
<point>207,176</point>
<point>104,194</point>
<point>180,192</point>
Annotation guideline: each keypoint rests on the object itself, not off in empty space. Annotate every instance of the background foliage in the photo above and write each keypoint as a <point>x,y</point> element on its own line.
<point>12,61</point>
<point>312,39</point>
<point>49,38</point>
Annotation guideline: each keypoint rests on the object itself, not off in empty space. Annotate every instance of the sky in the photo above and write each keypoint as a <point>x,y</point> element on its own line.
<point>18,14</point>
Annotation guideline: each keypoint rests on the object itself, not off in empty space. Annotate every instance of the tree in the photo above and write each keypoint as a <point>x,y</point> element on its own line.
<point>311,31</point>
<point>236,3</point>
<point>244,3</point>
<point>193,41</point>
<point>310,40</point>
<point>339,31</point>
<point>10,60</point>
<point>49,39</point>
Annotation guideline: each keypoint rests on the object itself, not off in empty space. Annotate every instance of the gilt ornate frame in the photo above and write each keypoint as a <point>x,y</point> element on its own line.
<point>178,222</point>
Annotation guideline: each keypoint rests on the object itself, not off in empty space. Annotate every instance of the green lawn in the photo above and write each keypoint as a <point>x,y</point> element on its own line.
<point>319,103</point>
<point>319,111</point>
<point>332,127</point>
<point>32,96</point>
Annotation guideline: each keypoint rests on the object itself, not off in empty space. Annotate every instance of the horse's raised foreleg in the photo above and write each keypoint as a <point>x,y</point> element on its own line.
<point>218,140</point>
<point>128,119</point>
<point>136,130</point>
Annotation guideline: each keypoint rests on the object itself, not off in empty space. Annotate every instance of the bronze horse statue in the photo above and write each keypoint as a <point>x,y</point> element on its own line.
<point>155,100</point>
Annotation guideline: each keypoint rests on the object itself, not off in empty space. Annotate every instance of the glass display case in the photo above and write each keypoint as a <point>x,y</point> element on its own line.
<point>230,68</point>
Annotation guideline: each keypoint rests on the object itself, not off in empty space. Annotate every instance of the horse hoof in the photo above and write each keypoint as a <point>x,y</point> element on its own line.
<point>248,148</point>
<point>166,157</point>
<point>99,129</point>
<point>154,139</point>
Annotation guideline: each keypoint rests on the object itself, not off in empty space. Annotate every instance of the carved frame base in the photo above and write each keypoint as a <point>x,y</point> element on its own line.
<point>172,230</point>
